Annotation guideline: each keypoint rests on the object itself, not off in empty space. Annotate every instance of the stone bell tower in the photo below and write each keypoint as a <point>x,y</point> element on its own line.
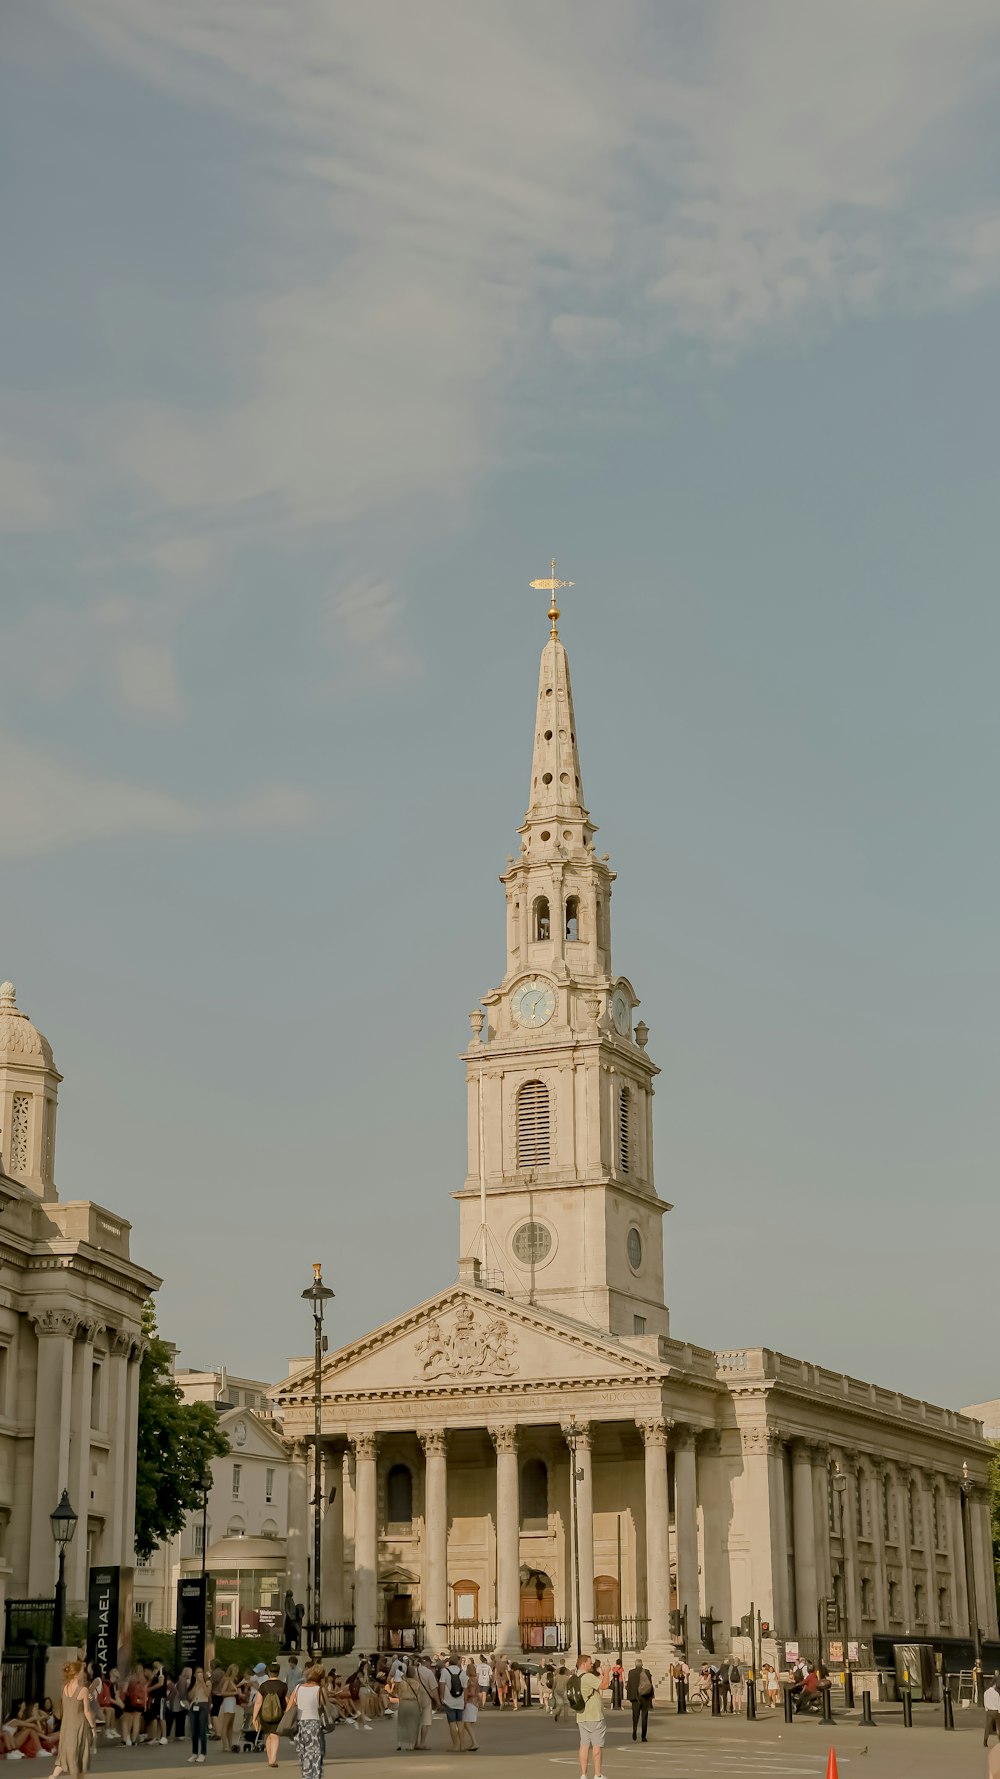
<point>559,1196</point>
<point>29,1088</point>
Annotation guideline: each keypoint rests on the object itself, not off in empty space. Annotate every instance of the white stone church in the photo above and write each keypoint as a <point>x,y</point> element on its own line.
<point>724,1479</point>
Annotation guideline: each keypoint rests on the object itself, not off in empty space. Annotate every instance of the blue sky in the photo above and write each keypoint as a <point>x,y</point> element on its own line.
<point>324,327</point>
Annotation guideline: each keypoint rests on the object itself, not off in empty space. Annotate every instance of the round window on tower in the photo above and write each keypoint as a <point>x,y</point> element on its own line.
<point>634,1249</point>
<point>532,1243</point>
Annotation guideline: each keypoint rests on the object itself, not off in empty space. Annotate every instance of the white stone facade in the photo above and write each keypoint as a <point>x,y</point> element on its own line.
<point>732,1479</point>
<point>71,1302</point>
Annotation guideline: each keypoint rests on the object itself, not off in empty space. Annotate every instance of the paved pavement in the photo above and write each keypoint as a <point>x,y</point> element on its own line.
<point>692,1747</point>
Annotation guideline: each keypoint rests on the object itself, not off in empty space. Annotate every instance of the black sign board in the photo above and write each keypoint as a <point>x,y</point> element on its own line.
<point>109,1617</point>
<point>195,1621</point>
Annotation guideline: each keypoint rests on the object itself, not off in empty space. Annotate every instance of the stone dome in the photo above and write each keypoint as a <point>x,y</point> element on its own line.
<point>18,1037</point>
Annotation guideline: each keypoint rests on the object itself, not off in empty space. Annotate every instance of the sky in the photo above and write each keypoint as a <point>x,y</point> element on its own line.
<point>325,326</point>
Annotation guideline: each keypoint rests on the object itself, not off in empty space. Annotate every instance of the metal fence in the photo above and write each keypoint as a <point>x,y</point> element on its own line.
<point>610,1634</point>
<point>336,1639</point>
<point>470,1637</point>
<point>22,1676</point>
<point>400,1636</point>
<point>539,1635</point>
<point>28,1622</point>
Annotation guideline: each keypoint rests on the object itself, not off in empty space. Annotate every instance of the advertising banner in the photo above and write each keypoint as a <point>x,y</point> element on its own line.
<point>195,1621</point>
<point>109,1617</point>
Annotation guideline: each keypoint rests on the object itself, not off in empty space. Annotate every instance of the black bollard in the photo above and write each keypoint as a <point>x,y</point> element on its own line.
<point>751,1698</point>
<point>949,1710</point>
<point>866,1708</point>
<point>789,1708</point>
<point>527,1687</point>
<point>716,1696</point>
<point>825,1704</point>
<point>907,1698</point>
<point>848,1690</point>
<point>682,1696</point>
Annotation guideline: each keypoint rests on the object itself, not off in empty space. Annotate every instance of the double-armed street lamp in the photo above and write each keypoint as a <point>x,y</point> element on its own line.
<point>319,1296</point>
<point>63,1521</point>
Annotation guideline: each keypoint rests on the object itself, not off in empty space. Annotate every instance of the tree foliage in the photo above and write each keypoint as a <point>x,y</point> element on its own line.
<point>177,1442</point>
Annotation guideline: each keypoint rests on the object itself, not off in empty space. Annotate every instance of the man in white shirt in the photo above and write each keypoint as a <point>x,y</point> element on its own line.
<point>991,1700</point>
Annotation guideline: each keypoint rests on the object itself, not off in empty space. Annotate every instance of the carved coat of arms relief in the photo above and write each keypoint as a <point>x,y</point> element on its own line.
<point>472,1346</point>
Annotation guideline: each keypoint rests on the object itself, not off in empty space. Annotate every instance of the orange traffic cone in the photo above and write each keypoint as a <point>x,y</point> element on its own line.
<point>831,1765</point>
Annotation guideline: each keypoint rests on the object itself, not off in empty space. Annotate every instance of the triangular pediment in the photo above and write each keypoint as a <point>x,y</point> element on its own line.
<point>471,1338</point>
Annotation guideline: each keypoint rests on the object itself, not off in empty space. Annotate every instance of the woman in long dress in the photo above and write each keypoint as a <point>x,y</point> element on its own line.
<point>79,1723</point>
<point>407,1709</point>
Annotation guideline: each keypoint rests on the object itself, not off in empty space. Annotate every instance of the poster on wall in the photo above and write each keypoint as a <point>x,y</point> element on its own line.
<point>791,1652</point>
<point>853,1652</point>
<point>836,1650</point>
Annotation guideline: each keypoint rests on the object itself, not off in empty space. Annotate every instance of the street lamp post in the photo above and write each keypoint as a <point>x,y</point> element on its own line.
<point>318,1295</point>
<point>840,1594</point>
<point>965,1489</point>
<point>572,1435</point>
<point>206,1484</point>
<point>63,1521</point>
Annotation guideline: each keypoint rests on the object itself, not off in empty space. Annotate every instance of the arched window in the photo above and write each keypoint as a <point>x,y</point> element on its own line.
<point>532,1125</point>
<point>624,1145</point>
<point>541,925</point>
<point>605,1598</point>
<point>269,1529</point>
<point>534,1495</point>
<point>573,917</point>
<point>399,1495</point>
<point>235,1528</point>
<point>466,1597</point>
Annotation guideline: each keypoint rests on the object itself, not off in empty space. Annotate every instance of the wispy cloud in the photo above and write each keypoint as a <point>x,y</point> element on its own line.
<point>48,803</point>
<point>366,632</point>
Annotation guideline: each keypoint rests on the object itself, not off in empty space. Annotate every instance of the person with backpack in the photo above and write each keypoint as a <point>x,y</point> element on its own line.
<point>639,1692</point>
<point>451,1692</point>
<point>269,1709</point>
<point>584,1695</point>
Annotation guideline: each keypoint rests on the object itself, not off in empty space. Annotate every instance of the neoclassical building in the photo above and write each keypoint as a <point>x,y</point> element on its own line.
<point>71,1302</point>
<point>706,1483</point>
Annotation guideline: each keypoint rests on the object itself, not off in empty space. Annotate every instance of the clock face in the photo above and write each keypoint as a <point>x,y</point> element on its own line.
<point>621,1011</point>
<point>534,1003</point>
<point>240,1433</point>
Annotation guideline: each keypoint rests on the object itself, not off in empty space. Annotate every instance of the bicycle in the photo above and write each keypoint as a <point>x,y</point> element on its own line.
<point>698,1697</point>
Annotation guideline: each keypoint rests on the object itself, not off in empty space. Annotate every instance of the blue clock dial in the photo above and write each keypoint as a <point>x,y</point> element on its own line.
<point>533,1004</point>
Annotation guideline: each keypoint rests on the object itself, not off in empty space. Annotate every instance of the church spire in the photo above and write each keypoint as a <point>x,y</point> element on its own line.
<point>557,821</point>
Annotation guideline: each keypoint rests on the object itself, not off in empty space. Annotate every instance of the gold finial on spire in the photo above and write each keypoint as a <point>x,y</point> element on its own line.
<point>552,585</point>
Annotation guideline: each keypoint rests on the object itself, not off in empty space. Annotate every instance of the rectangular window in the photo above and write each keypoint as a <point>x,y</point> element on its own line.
<point>4,1356</point>
<point>237,1477</point>
<point>638,1324</point>
<point>269,1485</point>
<point>199,1538</point>
<point>141,1611</point>
<point>95,1394</point>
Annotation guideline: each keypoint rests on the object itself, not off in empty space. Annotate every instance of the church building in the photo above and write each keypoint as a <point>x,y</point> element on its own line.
<point>533,1457</point>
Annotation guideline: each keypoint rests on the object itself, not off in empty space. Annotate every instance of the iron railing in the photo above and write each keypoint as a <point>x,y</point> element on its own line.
<point>28,1622</point>
<point>336,1639</point>
<point>22,1676</point>
<point>543,1634</point>
<point>633,1633</point>
<point>473,1636</point>
<point>400,1636</point>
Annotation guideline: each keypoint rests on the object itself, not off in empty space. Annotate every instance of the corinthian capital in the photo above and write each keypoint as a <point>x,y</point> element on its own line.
<point>504,1438</point>
<point>434,1440</point>
<point>365,1445</point>
<point>52,1323</point>
<point>655,1432</point>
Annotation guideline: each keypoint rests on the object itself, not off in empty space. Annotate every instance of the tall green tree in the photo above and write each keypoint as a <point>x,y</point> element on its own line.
<point>177,1442</point>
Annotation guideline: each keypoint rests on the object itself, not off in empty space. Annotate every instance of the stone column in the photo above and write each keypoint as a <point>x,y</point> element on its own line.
<point>434,1567</point>
<point>130,1457</point>
<point>55,1330</point>
<point>804,1540</point>
<point>578,1438</point>
<point>874,1479</point>
<point>714,1497</point>
<point>298,1523</point>
<point>508,1524</point>
<point>365,1539</point>
<point>960,1588</point>
<point>79,1485</point>
<point>821,1520</point>
<point>119,1350</point>
<point>779,1520</point>
<point>686,1532</point>
<point>901,1479</point>
<point>332,1576</point>
<point>924,1480</point>
<point>850,1532</point>
<point>988,1600</point>
<point>654,1438</point>
<point>982,1573</point>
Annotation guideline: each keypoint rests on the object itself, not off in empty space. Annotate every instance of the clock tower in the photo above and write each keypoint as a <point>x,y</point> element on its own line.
<point>559,1198</point>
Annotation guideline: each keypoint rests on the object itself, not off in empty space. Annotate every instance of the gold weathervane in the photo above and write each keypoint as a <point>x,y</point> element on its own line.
<point>552,585</point>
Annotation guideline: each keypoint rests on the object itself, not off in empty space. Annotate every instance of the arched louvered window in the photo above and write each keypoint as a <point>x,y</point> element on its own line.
<point>624,1146</point>
<point>572,917</point>
<point>542,926</point>
<point>532,1125</point>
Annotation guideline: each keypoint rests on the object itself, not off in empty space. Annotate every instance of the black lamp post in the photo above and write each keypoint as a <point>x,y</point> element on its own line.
<point>206,1485</point>
<point>576,1475</point>
<point>318,1295</point>
<point>63,1521</point>
<point>965,1488</point>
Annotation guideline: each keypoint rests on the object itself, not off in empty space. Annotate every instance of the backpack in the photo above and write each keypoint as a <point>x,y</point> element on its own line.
<point>456,1685</point>
<point>574,1693</point>
<point>645,1686</point>
<point>271,1708</point>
